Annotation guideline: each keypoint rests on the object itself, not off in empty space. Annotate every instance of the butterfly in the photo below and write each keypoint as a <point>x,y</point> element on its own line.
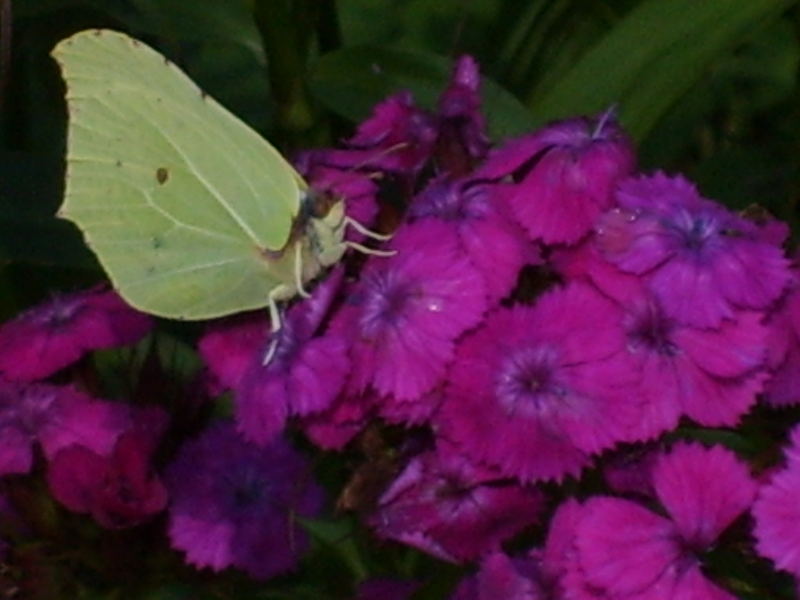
<point>192,214</point>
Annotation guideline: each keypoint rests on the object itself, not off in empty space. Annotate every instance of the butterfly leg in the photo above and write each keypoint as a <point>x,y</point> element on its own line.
<point>366,232</point>
<point>298,271</point>
<point>275,327</point>
<point>370,251</point>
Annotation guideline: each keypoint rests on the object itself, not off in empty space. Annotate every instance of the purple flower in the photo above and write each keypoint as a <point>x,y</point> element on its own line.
<point>304,375</point>
<point>495,244</point>
<point>56,417</point>
<point>620,549</point>
<point>234,503</point>
<point>334,427</point>
<point>444,505</point>
<point>406,311</point>
<point>502,577</point>
<point>228,347</point>
<point>711,375</point>
<point>538,389</point>
<point>564,175</point>
<point>777,513</point>
<point>118,490</point>
<point>783,345</point>
<point>53,335</point>
<point>462,126</point>
<point>701,261</point>
<point>398,137</point>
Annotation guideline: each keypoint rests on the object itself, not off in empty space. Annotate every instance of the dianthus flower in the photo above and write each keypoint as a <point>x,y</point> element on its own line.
<point>777,512</point>
<point>501,576</point>
<point>234,503</point>
<point>462,126</point>
<point>448,507</point>
<point>538,389</point>
<point>304,374</point>
<point>610,548</point>
<point>711,375</point>
<point>495,244</point>
<point>701,261</point>
<point>406,311</point>
<point>783,324</point>
<point>118,490</point>
<point>397,137</point>
<point>564,175</point>
<point>228,346</point>
<point>54,334</point>
<point>56,417</point>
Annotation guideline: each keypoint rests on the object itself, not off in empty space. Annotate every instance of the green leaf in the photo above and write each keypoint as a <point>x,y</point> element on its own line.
<point>338,535</point>
<point>375,72</point>
<point>652,57</point>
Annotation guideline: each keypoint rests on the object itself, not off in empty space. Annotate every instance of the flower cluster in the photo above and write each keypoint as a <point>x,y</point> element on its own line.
<point>543,313</point>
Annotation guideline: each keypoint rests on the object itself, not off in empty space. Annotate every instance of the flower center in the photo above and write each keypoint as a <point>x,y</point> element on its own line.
<point>651,331</point>
<point>527,380</point>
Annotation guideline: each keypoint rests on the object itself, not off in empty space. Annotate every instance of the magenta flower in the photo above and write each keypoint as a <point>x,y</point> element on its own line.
<point>777,513</point>
<point>56,417</point>
<point>701,261</point>
<point>228,347</point>
<point>54,334</point>
<point>234,503</point>
<point>118,490</point>
<point>406,311</point>
<point>711,375</point>
<point>448,507</point>
<point>503,577</point>
<point>783,349</point>
<point>494,243</point>
<point>334,427</point>
<point>398,137</point>
<point>538,389</point>
<point>462,126</point>
<point>564,175</point>
<point>623,550</point>
<point>303,376</point>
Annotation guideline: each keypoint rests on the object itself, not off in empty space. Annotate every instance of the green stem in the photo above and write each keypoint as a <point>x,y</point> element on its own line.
<point>284,47</point>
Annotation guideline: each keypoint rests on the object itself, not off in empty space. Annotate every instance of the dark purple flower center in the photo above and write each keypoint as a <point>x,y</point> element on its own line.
<point>60,312</point>
<point>453,202</point>
<point>650,330</point>
<point>695,233</point>
<point>385,302</point>
<point>528,380</point>
<point>248,489</point>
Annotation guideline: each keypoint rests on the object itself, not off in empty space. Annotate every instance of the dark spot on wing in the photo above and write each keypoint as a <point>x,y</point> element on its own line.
<point>162,174</point>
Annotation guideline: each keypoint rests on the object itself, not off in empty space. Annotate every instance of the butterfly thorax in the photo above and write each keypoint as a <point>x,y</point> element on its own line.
<point>322,220</point>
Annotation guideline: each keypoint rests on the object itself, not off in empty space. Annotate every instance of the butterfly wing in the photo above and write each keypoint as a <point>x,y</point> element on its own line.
<point>184,205</point>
